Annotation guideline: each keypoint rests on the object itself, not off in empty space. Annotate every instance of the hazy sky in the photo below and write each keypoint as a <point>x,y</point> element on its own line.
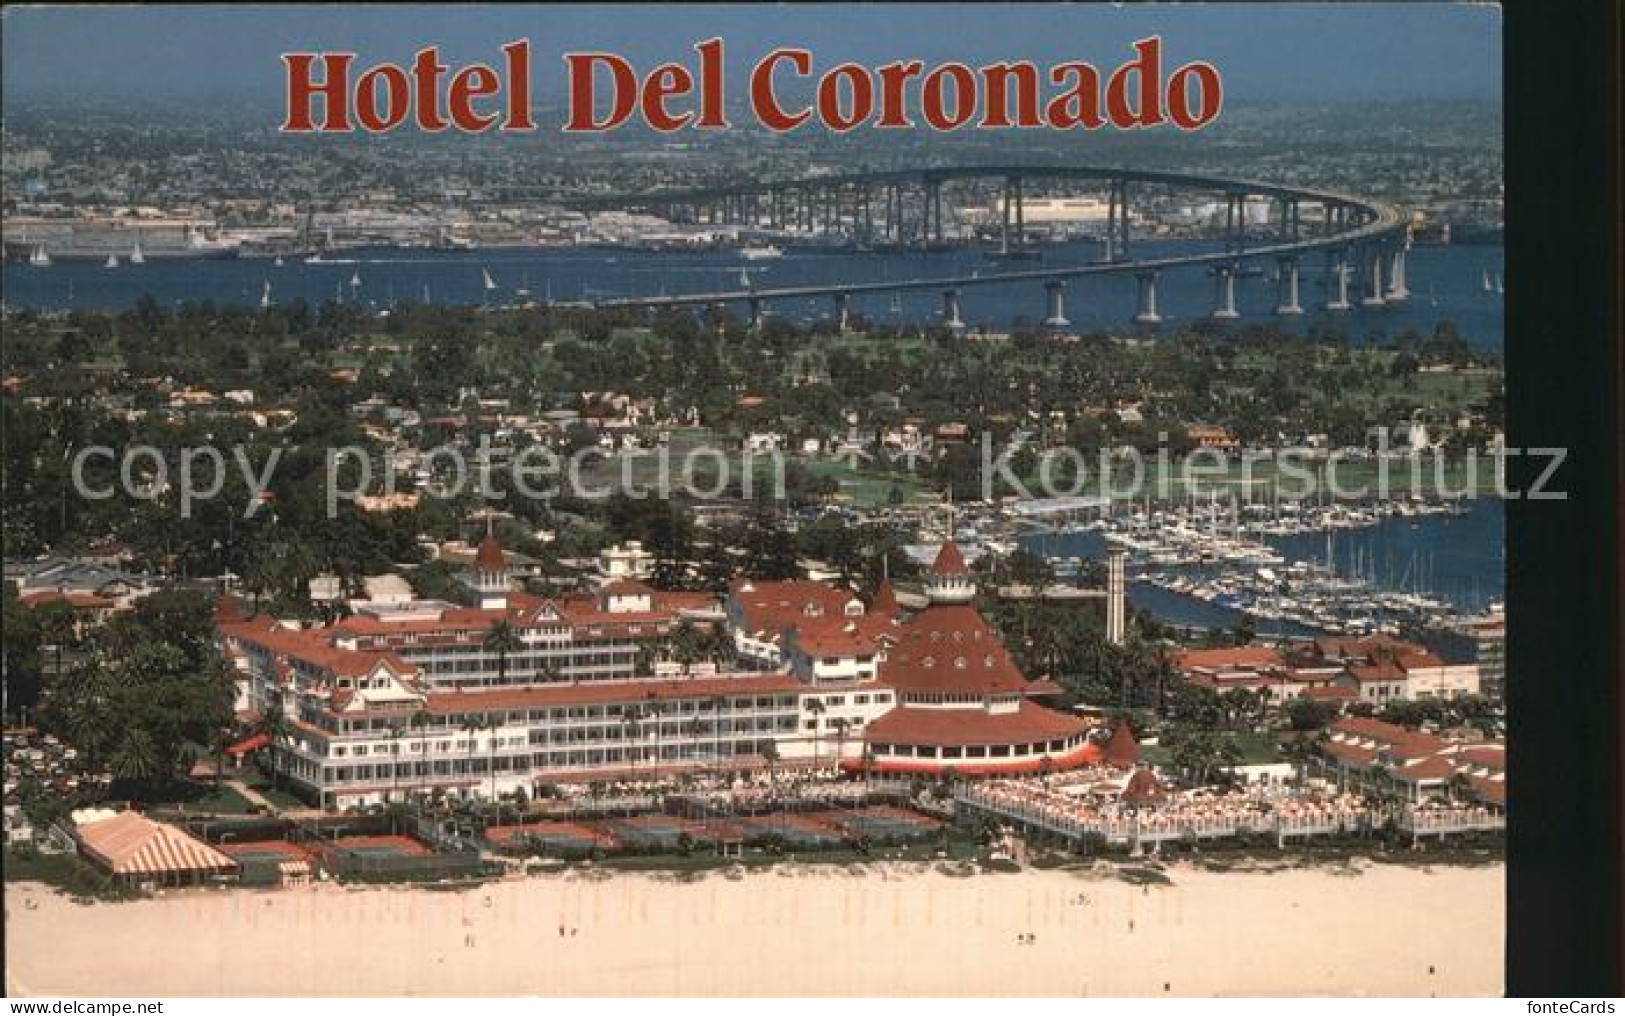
<point>1288,52</point>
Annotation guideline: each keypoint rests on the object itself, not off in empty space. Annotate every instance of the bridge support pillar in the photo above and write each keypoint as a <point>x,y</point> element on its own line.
<point>1373,295</point>
<point>1147,314</point>
<point>1004,219</point>
<point>1225,305</point>
<point>1339,268</point>
<point>1021,216</point>
<point>754,311</point>
<point>1288,301</point>
<point>1117,221</point>
<point>950,310</point>
<point>1398,288</point>
<point>1055,293</point>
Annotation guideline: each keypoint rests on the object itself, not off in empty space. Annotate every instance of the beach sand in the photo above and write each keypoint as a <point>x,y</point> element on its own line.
<point>1366,929</point>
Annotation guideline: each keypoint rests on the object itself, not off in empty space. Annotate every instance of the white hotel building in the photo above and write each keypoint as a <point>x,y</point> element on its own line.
<point>410,698</point>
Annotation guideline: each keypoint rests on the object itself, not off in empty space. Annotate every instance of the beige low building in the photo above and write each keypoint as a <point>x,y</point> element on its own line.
<point>136,851</point>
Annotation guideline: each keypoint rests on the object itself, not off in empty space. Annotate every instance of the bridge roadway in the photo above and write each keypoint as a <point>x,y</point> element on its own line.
<point>1385,225</point>
<point>940,174</point>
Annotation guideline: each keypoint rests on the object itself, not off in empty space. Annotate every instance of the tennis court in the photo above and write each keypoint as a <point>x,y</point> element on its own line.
<point>882,823</point>
<point>657,832</point>
<point>378,846</point>
<point>800,830</point>
<point>266,862</point>
<point>265,852</point>
<point>548,837</point>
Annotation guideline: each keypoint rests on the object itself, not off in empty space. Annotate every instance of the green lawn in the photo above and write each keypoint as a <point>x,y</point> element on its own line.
<point>1256,749</point>
<point>194,797</point>
<point>65,872</point>
<point>283,799</point>
<point>867,488</point>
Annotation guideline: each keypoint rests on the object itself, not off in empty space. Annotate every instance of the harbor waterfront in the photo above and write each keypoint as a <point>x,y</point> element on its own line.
<point>1446,283</point>
<point>1457,559</point>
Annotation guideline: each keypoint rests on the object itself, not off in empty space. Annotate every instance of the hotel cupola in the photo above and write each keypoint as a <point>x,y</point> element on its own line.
<point>950,580</point>
<point>489,579</point>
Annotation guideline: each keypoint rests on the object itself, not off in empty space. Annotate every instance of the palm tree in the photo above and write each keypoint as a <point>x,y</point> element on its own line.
<point>502,639</point>
<point>656,709</point>
<point>136,757</point>
<point>769,750</point>
<point>57,629</point>
<point>396,730</point>
<point>816,708</point>
<point>719,703</point>
<point>420,721</point>
<point>693,729</point>
<point>687,647</point>
<point>274,726</point>
<point>472,724</point>
<point>632,725</point>
<point>840,723</point>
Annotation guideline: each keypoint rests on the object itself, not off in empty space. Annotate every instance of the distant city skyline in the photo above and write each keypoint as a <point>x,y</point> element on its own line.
<point>1290,53</point>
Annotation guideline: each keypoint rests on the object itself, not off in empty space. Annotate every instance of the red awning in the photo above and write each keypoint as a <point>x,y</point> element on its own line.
<point>248,744</point>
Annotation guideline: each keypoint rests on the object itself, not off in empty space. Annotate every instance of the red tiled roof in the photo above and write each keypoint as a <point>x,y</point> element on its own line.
<point>610,692</point>
<point>627,587</point>
<point>1429,769</point>
<point>1351,753</point>
<point>1492,756</point>
<point>685,601</point>
<point>1142,786</point>
<point>1240,656</point>
<point>1377,674</point>
<point>1029,722</point>
<point>249,744</point>
<point>488,558</point>
<point>950,648</point>
<point>315,648</point>
<point>78,601</point>
<point>949,560</point>
<point>1418,660</point>
<point>772,607</point>
<point>1493,791</point>
<point>1122,749</point>
<point>1398,742</point>
<point>885,599</point>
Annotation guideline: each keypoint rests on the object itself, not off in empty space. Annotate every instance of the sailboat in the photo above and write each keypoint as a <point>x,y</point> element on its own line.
<point>1499,289</point>
<point>265,296</point>
<point>524,285</point>
<point>490,283</point>
<point>278,262</point>
<point>136,257</point>
<point>744,278</point>
<point>355,280</point>
<point>112,261</point>
<point>39,259</point>
<point>1488,288</point>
